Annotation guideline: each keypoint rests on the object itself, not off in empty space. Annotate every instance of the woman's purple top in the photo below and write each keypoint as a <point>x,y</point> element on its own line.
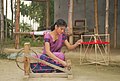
<point>55,46</point>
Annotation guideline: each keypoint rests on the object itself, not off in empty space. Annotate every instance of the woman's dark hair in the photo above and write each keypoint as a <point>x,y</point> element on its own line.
<point>59,22</point>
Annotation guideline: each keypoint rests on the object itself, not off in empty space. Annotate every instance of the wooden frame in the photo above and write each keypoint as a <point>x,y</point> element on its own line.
<point>37,0</point>
<point>76,21</point>
<point>80,29</point>
<point>101,52</point>
<point>66,72</point>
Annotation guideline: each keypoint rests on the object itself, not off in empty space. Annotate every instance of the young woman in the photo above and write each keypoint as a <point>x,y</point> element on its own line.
<point>53,42</point>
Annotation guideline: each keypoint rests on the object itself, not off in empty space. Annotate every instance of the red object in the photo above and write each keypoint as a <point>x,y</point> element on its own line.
<point>95,42</point>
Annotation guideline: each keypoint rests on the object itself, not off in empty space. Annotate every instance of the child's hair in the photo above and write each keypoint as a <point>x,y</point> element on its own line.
<point>59,22</point>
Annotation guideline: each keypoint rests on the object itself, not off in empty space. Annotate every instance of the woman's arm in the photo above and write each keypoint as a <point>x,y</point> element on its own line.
<point>52,56</point>
<point>69,46</point>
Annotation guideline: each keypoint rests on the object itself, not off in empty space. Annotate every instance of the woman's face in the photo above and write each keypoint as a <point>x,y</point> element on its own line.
<point>60,29</point>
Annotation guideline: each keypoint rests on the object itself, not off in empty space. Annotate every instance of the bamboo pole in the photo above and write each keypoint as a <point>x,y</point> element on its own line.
<point>6,22</point>
<point>85,9</point>
<point>46,75</point>
<point>85,15</point>
<point>107,24</point>
<point>17,25</point>
<point>96,23</point>
<point>1,21</point>
<point>115,22</point>
<point>70,20</point>
<point>96,15</point>
<point>12,18</point>
<point>47,14</point>
<point>22,33</point>
<point>107,17</point>
<point>33,60</point>
<point>37,0</point>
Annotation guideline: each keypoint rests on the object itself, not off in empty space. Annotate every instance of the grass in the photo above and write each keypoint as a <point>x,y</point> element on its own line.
<point>10,43</point>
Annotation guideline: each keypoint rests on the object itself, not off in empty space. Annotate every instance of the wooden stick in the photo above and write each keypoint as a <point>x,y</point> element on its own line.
<point>48,14</point>
<point>26,60</point>
<point>70,20</point>
<point>107,17</point>
<point>115,22</point>
<point>48,75</point>
<point>47,63</point>
<point>37,0</point>
<point>17,38</point>
<point>22,33</point>
<point>96,16</point>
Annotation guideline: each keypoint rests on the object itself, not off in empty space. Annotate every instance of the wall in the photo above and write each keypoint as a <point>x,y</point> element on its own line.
<point>61,11</point>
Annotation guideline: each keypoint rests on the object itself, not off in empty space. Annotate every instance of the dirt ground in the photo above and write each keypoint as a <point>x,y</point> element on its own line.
<point>10,72</point>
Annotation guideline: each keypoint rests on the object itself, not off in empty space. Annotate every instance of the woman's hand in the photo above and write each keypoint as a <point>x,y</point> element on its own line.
<point>64,63</point>
<point>78,42</point>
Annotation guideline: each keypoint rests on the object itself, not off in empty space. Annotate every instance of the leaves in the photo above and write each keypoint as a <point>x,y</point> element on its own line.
<point>36,11</point>
<point>24,27</point>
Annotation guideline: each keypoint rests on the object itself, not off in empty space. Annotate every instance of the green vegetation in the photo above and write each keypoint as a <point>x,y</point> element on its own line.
<point>37,42</point>
<point>3,56</point>
<point>36,11</point>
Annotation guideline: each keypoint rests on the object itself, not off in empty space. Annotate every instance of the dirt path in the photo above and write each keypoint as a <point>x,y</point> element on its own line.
<point>10,72</point>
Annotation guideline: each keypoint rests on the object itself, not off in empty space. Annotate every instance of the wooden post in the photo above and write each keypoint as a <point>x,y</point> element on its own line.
<point>12,17</point>
<point>26,60</point>
<point>6,22</point>
<point>96,15</point>
<point>70,20</point>
<point>85,9</point>
<point>107,23</point>
<point>115,22</point>
<point>1,21</point>
<point>47,14</point>
<point>17,25</point>
<point>107,17</point>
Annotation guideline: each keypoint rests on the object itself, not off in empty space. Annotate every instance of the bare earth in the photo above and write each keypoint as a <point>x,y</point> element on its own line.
<point>10,72</point>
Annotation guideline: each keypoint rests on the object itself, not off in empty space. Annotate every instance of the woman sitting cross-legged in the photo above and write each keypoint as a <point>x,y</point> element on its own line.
<point>53,42</point>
